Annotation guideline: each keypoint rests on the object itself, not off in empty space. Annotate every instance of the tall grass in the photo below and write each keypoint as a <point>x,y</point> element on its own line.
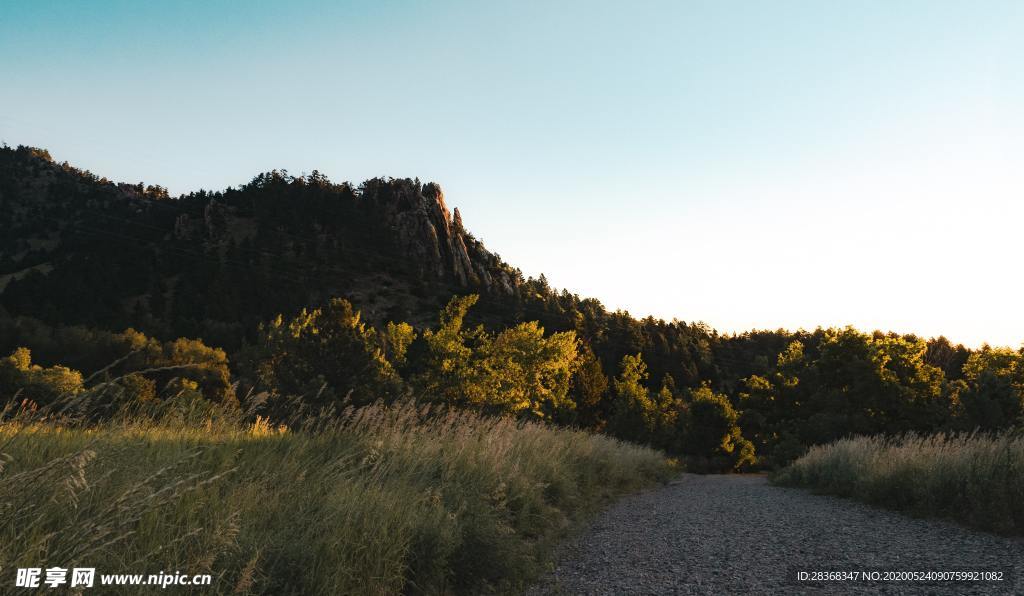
<point>386,500</point>
<point>977,479</point>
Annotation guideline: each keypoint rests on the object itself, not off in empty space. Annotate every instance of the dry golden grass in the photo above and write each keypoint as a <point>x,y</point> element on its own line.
<point>382,501</point>
<point>977,479</point>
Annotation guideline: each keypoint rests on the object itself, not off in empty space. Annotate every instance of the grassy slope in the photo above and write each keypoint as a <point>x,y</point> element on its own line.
<point>386,501</point>
<point>975,479</point>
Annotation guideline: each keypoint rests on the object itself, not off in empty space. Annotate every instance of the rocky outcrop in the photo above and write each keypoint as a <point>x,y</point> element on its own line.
<point>435,239</point>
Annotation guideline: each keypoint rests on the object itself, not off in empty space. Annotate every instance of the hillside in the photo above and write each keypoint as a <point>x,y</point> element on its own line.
<point>78,249</point>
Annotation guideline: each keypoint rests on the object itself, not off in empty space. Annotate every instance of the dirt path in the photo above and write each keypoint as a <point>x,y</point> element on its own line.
<point>740,535</point>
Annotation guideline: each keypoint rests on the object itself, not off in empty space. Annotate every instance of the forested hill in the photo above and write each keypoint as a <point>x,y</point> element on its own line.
<point>334,291</point>
<point>78,249</point>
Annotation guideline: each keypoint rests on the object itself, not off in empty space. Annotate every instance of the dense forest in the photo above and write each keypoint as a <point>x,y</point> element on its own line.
<point>295,295</point>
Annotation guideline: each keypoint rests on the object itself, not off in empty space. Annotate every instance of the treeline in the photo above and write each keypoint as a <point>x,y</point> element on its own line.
<point>790,389</point>
<point>833,383</point>
<point>819,387</point>
<point>325,359</point>
<point>121,370</point>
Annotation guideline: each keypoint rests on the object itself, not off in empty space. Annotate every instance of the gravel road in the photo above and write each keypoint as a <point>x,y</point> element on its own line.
<point>741,535</point>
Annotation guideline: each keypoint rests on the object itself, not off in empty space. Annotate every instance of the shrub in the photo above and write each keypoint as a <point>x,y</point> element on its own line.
<point>710,435</point>
<point>19,377</point>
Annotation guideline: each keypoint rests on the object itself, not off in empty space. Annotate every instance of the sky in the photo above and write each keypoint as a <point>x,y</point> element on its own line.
<point>746,164</point>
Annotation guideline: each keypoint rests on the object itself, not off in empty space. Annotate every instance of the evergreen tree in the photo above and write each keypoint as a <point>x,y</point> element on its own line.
<point>327,356</point>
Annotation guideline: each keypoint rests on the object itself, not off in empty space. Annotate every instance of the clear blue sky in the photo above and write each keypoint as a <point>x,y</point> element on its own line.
<point>749,164</point>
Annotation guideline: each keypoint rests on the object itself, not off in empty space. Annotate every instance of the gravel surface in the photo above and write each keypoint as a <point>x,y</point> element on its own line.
<point>741,535</point>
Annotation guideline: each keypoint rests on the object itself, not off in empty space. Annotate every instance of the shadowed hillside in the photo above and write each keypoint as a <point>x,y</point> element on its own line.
<point>78,249</point>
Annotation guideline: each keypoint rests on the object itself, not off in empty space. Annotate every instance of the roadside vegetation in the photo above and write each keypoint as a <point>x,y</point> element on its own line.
<point>974,478</point>
<point>374,500</point>
<point>324,359</point>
